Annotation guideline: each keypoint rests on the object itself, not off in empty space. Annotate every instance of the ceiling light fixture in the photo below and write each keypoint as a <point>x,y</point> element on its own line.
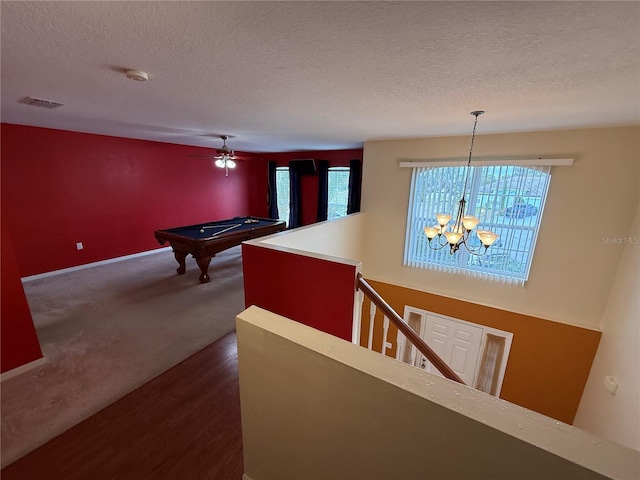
<point>457,235</point>
<point>225,156</point>
<point>137,75</point>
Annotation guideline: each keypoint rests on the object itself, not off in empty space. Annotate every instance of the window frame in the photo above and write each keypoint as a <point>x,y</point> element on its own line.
<point>283,199</point>
<point>337,169</point>
<point>462,262</point>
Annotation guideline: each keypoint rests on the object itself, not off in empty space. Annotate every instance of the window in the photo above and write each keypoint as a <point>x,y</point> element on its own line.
<point>338,192</point>
<point>282,193</point>
<point>508,200</point>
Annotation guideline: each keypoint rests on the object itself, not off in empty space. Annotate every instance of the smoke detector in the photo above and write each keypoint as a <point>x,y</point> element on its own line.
<point>137,75</point>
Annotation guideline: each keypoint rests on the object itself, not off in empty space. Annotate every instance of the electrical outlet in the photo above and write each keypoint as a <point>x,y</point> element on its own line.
<point>79,246</point>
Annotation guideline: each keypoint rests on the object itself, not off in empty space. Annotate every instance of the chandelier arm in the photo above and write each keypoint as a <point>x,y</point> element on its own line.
<point>481,250</point>
<point>439,244</point>
<point>478,253</point>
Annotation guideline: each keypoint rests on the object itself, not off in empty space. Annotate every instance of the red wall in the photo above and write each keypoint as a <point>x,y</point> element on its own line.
<point>110,193</point>
<point>18,341</point>
<point>316,292</point>
<point>309,183</point>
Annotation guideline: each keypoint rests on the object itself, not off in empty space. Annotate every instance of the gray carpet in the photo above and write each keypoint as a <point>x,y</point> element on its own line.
<point>108,329</point>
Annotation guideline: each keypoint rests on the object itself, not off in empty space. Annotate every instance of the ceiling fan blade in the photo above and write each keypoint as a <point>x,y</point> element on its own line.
<point>223,153</point>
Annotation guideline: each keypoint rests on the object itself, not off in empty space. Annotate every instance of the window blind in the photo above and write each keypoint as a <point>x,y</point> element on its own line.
<point>507,199</point>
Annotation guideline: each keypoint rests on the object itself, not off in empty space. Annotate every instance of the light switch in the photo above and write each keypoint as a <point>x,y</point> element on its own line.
<point>79,246</point>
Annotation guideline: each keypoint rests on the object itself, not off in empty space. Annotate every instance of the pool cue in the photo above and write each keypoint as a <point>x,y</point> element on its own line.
<point>221,231</point>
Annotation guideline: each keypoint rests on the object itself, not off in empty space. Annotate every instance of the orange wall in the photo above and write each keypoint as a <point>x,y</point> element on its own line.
<point>549,362</point>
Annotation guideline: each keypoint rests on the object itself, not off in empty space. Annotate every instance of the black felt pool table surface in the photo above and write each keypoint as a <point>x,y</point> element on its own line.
<point>203,231</point>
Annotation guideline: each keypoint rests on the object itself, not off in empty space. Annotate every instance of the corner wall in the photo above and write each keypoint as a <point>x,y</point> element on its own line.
<point>318,292</point>
<point>548,363</point>
<point>307,274</point>
<point>570,280</point>
<point>340,411</point>
<point>18,340</point>
<point>617,416</point>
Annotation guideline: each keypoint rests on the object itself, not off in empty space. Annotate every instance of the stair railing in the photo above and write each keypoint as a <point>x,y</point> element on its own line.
<point>407,331</point>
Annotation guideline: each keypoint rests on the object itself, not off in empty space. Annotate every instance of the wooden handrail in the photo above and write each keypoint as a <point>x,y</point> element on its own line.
<point>406,330</point>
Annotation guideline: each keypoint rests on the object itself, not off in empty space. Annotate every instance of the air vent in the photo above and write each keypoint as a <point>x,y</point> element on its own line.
<point>39,102</point>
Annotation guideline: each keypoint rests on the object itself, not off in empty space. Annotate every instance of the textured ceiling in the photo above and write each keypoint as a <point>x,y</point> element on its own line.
<point>301,75</point>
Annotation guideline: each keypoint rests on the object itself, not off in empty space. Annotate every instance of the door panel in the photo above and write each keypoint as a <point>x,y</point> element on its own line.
<point>439,328</point>
<point>459,360</point>
<point>456,343</point>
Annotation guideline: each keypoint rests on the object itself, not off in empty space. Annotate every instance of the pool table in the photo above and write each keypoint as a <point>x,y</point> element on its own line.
<point>204,240</point>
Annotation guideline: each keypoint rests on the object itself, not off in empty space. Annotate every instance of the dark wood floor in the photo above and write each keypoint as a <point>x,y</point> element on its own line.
<point>183,424</point>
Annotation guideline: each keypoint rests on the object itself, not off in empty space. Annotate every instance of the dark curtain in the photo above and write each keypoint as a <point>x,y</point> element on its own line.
<point>355,186</point>
<point>295,196</point>
<point>273,194</point>
<point>323,190</point>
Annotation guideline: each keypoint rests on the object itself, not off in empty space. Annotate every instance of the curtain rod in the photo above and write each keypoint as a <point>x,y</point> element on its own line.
<point>459,162</point>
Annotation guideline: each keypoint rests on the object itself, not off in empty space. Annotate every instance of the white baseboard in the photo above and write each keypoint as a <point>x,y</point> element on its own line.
<point>94,264</point>
<point>22,369</point>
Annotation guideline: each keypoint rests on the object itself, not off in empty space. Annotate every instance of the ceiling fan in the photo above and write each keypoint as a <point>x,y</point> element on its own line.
<point>225,157</point>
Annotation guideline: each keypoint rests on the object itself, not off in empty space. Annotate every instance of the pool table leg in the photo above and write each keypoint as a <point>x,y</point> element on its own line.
<point>203,263</point>
<point>180,256</point>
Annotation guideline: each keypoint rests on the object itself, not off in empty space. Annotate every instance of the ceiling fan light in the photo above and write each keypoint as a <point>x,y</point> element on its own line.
<point>220,163</point>
<point>231,164</point>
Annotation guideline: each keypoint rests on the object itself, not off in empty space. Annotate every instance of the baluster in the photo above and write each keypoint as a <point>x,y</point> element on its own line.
<point>400,346</point>
<point>357,318</point>
<point>372,316</point>
<point>385,331</point>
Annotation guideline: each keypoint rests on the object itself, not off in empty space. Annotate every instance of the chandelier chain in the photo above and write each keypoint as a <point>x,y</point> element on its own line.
<point>457,234</point>
<point>473,137</point>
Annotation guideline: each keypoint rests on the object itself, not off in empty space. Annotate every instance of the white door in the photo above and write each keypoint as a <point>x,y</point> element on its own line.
<point>457,343</point>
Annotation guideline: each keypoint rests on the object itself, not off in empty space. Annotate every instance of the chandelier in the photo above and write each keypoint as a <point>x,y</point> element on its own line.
<point>225,156</point>
<point>458,234</point>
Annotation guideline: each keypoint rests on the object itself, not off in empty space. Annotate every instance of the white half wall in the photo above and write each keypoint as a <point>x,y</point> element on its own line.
<point>617,416</point>
<point>340,238</point>
<point>316,407</point>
